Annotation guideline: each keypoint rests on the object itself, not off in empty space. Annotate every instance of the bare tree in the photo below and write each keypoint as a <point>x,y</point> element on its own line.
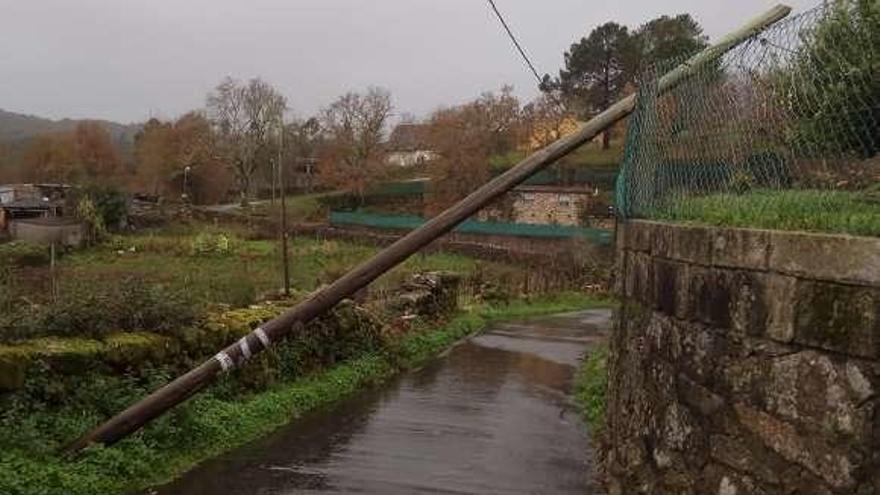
<point>354,125</point>
<point>303,141</point>
<point>464,138</point>
<point>303,137</point>
<point>180,157</point>
<point>246,115</point>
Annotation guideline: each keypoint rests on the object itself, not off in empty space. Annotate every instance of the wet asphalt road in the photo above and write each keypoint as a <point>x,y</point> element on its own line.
<point>494,415</point>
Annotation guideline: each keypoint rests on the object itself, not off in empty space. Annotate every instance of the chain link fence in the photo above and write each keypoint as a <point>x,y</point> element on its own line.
<point>781,132</point>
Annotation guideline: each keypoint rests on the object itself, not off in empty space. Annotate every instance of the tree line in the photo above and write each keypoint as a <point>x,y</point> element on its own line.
<point>233,146</point>
<point>605,65</point>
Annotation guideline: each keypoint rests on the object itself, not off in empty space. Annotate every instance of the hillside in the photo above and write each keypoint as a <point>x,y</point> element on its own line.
<point>17,127</point>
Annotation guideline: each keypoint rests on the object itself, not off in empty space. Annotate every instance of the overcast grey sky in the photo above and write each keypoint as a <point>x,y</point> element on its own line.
<point>127,60</point>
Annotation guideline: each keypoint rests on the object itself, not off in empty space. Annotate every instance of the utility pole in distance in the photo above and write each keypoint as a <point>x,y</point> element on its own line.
<point>281,179</point>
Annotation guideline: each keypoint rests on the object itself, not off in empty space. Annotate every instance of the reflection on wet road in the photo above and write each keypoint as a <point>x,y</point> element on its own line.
<point>492,416</point>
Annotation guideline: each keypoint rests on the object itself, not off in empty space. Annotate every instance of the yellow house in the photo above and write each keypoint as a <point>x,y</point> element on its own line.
<point>547,131</point>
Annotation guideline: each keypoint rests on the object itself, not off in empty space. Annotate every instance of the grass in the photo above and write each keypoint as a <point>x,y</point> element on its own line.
<point>588,156</point>
<point>808,210</point>
<point>169,258</point>
<point>131,281</point>
<point>207,265</point>
<point>300,207</point>
<point>591,384</point>
<point>501,162</point>
<point>543,305</point>
<point>209,424</point>
<point>592,155</point>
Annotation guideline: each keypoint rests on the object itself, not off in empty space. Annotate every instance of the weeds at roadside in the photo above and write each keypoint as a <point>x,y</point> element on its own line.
<point>591,384</point>
<point>212,422</point>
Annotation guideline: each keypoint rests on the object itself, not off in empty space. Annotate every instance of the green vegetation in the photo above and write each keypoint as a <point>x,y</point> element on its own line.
<point>600,66</point>
<point>93,310</point>
<point>836,73</point>
<point>500,163</point>
<point>591,384</point>
<point>211,423</point>
<point>588,156</point>
<point>810,210</point>
<point>542,305</point>
<point>20,253</point>
<point>163,280</point>
<point>592,155</point>
<point>102,207</point>
<point>300,207</point>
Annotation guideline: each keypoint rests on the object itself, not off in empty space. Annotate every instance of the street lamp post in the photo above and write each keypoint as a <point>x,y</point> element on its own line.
<point>185,194</point>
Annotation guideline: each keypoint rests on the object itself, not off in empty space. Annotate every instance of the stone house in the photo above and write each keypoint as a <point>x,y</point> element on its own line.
<point>542,204</point>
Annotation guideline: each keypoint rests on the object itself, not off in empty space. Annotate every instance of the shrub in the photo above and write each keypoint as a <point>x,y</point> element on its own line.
<point>591,386</point>
<point>97,308</point>
<point>838,71</point>
<point>234,289</point>
<point>214,243</point>
<point>345,202</point>
<point>20,253</point>
<point>154,307</point>
<point>768,169</point>
<point>102,208</point>
<point>88,213</point>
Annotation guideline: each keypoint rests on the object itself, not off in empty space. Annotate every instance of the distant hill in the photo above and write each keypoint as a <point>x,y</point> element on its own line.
<point>16,128</point>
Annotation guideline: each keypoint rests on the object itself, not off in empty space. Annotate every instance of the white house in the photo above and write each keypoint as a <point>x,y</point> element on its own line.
<point>407,146</point>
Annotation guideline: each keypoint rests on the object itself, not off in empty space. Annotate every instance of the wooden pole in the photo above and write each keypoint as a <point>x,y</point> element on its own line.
<point>285,268</point>
<point>238,353</point>
<point>52,273</point>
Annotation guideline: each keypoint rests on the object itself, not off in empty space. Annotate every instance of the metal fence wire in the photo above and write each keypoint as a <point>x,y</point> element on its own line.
<point>783,131</point>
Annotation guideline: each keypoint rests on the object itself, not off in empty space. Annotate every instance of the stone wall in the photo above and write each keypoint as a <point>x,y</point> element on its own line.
<point>62,231</point>
<point>744,361</point>
<point>337,335</point>
<point>560,206</point>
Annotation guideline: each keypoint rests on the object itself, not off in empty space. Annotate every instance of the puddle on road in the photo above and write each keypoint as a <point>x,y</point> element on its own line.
<point>492,416</point>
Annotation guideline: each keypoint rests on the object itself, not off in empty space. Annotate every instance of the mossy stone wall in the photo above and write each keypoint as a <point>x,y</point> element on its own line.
<point>744,361</point>
<point>346,331</point>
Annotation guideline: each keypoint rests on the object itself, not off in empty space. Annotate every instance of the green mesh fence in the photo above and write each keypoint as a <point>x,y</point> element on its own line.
<point>405,188</point>
<point>782,132</point>
<point>598,178</point>
<point>409,222</point>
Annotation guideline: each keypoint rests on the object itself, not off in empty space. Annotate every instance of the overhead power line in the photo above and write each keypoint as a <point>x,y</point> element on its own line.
<point>516,42</point>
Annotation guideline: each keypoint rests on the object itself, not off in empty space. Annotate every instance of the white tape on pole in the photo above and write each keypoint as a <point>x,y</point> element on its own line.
<point>261,334</point>
<point>245,349</point>
<point>225,361</point>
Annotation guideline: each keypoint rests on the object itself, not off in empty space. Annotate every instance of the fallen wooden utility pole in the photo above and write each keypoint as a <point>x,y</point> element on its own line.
<point>238,353</point>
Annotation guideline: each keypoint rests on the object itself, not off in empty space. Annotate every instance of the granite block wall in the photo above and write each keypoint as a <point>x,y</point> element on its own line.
<point>744,361</point>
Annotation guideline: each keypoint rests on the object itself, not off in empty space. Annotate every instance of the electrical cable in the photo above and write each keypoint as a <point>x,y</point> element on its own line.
<point>516,42</point>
